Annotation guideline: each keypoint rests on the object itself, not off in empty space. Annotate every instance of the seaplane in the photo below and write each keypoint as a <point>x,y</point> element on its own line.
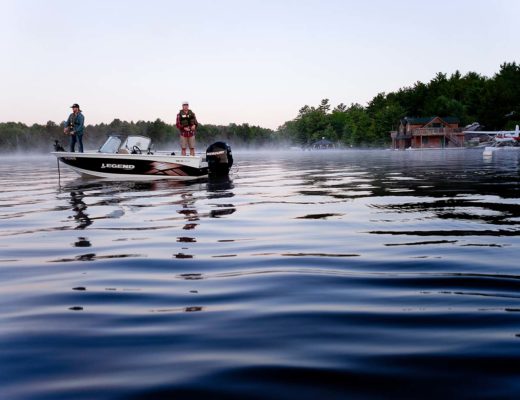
<point>500,140</point>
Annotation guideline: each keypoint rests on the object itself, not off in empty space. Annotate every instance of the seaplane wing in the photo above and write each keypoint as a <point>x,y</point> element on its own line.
<point>509,134</point>
<point>482,132</point>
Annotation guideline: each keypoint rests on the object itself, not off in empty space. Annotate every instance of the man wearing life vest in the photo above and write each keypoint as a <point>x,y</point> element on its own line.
<point>187,125</point>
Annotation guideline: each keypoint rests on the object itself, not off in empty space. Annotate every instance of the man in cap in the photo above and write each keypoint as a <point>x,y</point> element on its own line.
<point>74,127</point>
<point>187,125</point>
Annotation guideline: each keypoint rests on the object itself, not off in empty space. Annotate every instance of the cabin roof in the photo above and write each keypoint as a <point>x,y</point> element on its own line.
<point>426,120</point>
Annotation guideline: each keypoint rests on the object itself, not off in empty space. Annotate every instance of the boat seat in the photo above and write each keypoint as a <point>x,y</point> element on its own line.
<point>123,151</point>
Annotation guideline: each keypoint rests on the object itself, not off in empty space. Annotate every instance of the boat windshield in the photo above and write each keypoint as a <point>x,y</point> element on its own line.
<point>142,142</point>
<point>111,145</point>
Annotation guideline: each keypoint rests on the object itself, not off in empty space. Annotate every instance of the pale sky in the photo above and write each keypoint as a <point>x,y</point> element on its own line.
<point>240,61</point>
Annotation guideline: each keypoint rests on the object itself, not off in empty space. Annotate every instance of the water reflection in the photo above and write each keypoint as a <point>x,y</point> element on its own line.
<point>94,257</point>
<point>79,207</point>
<point>182,255</point>
<point>131,202</point>
<point>180,309</point>
<point>417,188</point>
<point>186,239</point>
<point>221,187</point>
<point>222,209</point>
<point>340,273</point>
<point>82,242</point>
<point>189,210</point>
<point>350,175</point>
<point>486,212</point>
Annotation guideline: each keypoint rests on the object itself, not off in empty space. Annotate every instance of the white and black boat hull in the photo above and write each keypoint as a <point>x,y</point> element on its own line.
<point>134,166</point>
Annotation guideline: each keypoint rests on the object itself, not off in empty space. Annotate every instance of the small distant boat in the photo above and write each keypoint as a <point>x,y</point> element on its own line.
<point>322,144</point>
<point>133,158</point>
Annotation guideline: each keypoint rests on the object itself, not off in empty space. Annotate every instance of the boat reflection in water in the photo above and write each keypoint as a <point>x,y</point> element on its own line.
<point>337,274</point>
<point>79,208</point>
<point>134,203</point>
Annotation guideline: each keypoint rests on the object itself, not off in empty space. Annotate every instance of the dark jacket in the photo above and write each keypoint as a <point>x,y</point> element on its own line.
<point>76,123</point>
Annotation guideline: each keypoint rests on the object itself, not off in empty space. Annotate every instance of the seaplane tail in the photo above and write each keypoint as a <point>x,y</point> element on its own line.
<point>508,136</point>
<point>504,140</point>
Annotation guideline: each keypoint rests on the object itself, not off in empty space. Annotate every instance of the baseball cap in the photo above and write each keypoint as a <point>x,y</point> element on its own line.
<point>74,105</point>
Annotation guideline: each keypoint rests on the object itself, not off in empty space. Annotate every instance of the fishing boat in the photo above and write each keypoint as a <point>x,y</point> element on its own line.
<point>132,157</point>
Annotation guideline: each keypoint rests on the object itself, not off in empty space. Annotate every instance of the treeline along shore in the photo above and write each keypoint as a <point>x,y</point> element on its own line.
<point>15,136</point>
<point>494,102</point>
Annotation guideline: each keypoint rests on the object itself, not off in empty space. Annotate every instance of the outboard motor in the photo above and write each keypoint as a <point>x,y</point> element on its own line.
<point>219,158</point>
<point>58,146</point>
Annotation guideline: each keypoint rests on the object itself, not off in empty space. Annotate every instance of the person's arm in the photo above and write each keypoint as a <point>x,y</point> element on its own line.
<point>178,123</point>
<point>66,128</point>
<point>195,123</point>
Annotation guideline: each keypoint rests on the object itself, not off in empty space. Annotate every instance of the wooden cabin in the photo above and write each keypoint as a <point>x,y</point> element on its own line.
<point>428,133</point>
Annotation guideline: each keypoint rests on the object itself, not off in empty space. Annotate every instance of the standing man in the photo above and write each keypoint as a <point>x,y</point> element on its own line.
<point>187,125</point>
<point>74,127</point>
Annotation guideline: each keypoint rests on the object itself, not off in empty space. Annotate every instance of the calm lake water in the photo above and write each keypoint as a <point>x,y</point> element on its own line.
<point>330,275</point>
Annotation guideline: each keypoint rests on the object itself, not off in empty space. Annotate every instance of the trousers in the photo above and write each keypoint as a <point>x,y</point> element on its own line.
<point>76,137</point>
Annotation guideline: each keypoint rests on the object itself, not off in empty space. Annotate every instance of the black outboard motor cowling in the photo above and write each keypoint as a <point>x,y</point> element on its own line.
<point>219,158</point>
<point>58,146</point>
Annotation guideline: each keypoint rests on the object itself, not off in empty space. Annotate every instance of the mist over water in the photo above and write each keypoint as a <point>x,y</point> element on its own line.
<point>332,274</point>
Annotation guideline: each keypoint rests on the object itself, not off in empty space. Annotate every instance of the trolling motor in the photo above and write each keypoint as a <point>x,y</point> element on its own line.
<point>219,158</point>
<point>58,146</point>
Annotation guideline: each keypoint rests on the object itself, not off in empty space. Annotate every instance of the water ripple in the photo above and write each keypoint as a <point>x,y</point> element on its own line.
<point>343,274</point>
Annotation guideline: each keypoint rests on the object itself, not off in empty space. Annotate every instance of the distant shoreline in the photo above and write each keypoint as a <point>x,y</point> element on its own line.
<point>493,102</point>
